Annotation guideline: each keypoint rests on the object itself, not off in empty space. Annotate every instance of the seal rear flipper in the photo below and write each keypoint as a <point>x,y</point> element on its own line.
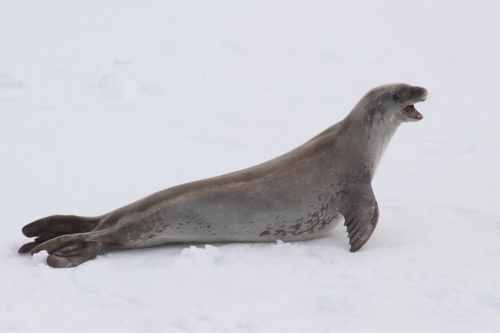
<point>53,226</point>
<point>361,220</point>
<point>70,250</point>
<point>28,247</point>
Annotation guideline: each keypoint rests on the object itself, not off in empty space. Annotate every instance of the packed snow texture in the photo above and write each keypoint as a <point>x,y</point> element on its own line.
<point>105,102</point>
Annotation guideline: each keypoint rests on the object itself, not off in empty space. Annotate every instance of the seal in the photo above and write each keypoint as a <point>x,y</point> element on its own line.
<point>300,195</point>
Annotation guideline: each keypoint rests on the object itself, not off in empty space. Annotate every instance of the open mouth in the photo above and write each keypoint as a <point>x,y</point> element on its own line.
<point>412,113</point>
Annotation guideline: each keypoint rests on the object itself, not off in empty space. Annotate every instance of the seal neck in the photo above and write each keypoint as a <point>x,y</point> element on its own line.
<point>368,140</point>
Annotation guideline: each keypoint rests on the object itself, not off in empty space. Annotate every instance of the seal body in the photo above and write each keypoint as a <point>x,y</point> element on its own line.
<point>300,195</point>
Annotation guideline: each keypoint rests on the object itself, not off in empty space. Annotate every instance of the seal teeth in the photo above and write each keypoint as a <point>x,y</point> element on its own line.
<point>411,112</point>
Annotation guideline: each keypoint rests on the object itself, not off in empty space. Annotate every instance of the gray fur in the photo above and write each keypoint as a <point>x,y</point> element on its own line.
<point>300,195</point>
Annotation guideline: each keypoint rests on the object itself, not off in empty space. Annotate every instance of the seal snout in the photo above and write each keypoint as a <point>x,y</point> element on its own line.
<point>410,111</point>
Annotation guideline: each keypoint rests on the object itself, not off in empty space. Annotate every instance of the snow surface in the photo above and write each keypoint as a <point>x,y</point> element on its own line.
<point>104,102</point>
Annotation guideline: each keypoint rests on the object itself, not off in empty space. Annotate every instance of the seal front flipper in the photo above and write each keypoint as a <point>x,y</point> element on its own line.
<point>361,216</point>
<point>53,226</point>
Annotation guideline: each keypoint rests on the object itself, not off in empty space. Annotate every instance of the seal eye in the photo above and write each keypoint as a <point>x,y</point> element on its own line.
<point>396,97</point>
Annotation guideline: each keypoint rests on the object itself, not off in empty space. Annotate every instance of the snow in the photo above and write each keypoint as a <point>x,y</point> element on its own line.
<point>105,102</point>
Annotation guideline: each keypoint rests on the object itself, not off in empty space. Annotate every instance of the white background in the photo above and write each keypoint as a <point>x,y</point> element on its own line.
<point>105,102</point>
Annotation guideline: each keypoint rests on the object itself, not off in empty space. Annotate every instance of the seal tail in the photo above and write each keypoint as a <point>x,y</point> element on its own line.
<point>71,250</point>
<point>54,226</point>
